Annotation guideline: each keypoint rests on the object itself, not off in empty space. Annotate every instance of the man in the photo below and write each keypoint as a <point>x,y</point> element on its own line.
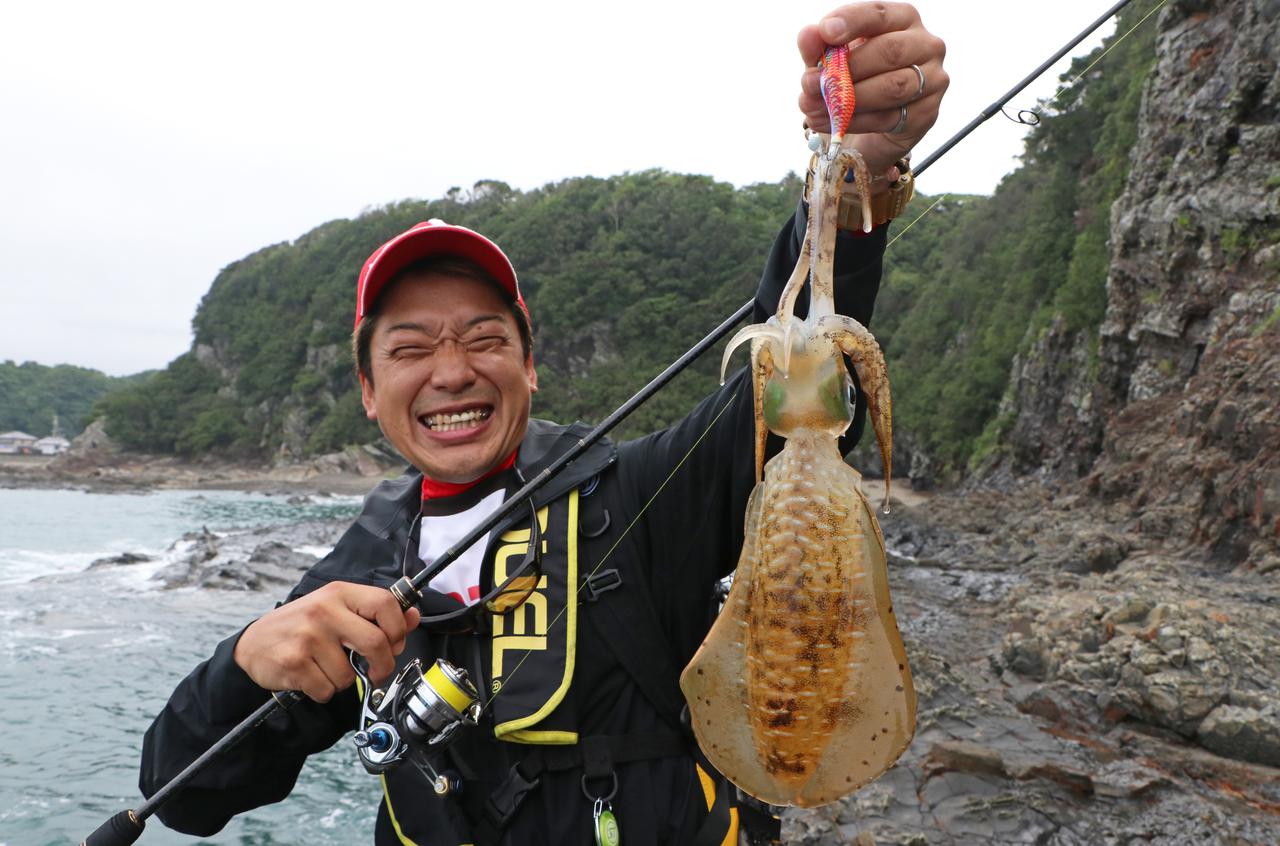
<point>578,674</point>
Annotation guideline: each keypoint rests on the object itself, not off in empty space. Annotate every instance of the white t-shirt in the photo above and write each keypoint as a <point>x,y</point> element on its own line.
<point>461,579</point>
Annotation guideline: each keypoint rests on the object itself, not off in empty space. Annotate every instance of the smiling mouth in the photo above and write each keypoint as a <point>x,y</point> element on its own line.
<point>456,421</point>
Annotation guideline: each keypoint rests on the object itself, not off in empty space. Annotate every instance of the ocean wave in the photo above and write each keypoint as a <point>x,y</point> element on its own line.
<point>25,565</point>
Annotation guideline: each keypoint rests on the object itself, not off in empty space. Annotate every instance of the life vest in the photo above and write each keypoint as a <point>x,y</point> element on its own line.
<point>525,662</point>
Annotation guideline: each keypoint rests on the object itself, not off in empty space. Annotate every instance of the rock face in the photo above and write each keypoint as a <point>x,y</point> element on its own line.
<point>1173,415</point>
<point>1191,346</point>
<point>1251,734</point>
<point>1056,431</point>
<point>1065,703</point>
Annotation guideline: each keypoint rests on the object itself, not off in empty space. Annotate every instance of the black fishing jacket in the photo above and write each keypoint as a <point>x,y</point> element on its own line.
<point>650,526</point>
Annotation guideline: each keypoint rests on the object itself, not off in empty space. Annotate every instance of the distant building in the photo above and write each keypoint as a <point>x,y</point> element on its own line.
<point>52,445</point>
<point>16,442</point>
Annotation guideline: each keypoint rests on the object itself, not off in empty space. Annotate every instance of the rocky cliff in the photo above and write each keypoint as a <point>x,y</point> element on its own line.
<point>1170,409</point>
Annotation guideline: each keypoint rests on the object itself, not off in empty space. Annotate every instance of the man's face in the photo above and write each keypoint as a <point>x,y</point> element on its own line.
<point>451,384</point>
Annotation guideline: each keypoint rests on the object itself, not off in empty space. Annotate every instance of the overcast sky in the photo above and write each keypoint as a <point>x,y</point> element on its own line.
<point>144,146</point>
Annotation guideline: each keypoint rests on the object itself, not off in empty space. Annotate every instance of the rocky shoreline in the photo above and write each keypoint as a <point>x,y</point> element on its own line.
<point>1077,684</point>
<point>356,470</point>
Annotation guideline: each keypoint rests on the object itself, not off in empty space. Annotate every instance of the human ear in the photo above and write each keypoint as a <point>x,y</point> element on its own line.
<point>367,399</point>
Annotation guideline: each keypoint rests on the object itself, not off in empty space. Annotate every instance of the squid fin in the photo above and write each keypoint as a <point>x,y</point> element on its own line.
<point>714,682</point>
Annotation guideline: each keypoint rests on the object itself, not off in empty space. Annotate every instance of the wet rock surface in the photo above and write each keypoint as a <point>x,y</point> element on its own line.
<point>1065,703</point>
<point>121,560</point>
<point>271,558</point>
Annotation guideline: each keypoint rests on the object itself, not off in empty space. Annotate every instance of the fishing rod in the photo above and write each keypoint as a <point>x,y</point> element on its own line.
<point>126,826</point>
<point>990,111</point>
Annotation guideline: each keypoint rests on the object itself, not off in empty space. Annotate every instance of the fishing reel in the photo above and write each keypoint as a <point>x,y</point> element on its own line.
<point>419,712</point>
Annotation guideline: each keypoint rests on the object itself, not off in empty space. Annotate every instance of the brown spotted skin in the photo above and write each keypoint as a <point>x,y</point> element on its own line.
<point>801,692</point>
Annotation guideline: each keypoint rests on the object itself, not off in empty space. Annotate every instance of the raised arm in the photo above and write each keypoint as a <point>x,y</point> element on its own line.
<point>896,65</point>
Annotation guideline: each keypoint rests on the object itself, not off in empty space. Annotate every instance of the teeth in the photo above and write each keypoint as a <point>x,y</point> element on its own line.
<point>452,422</point>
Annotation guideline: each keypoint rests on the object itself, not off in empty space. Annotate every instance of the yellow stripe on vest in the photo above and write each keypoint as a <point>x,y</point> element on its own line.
<point>395,823</point>
<point>519,730</point>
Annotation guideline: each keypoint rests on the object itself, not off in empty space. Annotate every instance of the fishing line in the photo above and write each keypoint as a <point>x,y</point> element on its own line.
<point>904,229</point>
<point>998,106</point>
<point>1113,46</point>
<point>1066,86</point>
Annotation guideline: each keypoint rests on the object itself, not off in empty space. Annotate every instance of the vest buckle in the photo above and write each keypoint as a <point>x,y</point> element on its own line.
<point>502,805</point>
<point>601,582</point>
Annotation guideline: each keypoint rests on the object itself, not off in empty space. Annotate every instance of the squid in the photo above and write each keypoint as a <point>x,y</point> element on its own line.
<point>801,692</point>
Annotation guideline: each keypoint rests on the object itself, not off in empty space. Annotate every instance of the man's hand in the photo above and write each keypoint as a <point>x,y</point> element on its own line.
<point>886,40</point>
<point>302,644</point>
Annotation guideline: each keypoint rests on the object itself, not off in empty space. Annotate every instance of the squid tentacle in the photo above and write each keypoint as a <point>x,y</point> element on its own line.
<point>857,342</point>
<point>853,160</point>
<point>762,371</point>
<point>748,333</point>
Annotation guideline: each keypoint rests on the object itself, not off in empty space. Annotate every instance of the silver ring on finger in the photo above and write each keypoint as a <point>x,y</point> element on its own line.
<point>902,121</point>
<point>920,87</point>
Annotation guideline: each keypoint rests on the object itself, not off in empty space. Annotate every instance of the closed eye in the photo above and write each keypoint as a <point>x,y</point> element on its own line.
<point>410,350</point>
<point>485,343</point>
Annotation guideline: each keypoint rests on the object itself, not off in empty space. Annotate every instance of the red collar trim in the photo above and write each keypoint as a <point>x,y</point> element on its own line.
<point>431,489</point>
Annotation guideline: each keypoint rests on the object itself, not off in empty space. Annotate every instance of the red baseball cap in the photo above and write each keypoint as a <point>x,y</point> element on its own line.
<point>424,240</point>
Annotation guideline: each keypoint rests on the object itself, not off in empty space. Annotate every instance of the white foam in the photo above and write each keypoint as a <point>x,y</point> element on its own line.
<point>24,565</point>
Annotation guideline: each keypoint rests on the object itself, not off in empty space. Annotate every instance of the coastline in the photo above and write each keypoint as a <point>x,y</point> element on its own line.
<point>354,471</point>
<point>339,473</point>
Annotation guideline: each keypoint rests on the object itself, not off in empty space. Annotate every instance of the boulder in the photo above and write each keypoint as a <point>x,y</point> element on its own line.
<point>123,559</point>
<point>1247,734</point>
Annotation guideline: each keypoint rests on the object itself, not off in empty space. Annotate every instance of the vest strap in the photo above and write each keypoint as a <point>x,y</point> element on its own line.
<point>502,805</point>
<point>590,753</point>
<point>627,623</point>
<point>716,825</point>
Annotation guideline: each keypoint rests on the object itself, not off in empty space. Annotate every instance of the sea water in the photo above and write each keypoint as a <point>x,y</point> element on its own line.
<point>89,656</point>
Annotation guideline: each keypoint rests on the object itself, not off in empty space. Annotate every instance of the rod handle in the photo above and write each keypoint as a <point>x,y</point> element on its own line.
<point>122,829</point>
<point>405,593</point>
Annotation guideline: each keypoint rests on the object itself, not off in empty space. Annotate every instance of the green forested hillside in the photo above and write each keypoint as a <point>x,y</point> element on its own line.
<point>32,394</point>
<point>636,265</point>
<point>622,274</point>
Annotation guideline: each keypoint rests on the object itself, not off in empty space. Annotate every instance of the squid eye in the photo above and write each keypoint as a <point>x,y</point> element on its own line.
<point>851,395</point>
